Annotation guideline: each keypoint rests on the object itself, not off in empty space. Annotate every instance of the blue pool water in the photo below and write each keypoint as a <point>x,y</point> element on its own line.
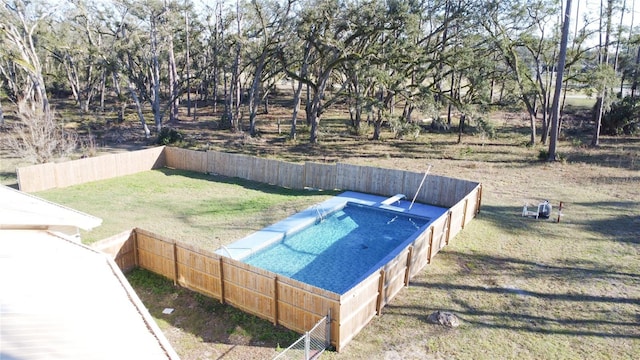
<point>336,253</point>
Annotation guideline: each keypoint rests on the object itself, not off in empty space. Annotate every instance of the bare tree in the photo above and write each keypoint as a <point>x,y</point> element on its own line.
<point>37,137</point>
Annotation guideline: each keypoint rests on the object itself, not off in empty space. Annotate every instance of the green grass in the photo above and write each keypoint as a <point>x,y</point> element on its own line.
<point>202,209</point>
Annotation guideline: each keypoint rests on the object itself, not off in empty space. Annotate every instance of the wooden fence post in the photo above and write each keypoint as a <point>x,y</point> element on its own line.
<point>464,212</point>
<point>408,271</point>
<point>175,264</point>
<point>430,244</point>
<point>275,300</point>
<point>221,281</point>
<point>136,255</point>
<point>446,240</point>
<point>380,293</point>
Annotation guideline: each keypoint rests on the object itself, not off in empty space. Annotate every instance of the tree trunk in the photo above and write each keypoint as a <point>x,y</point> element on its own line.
<point>173,84</point>
<point>595,141</point>
<point>136,100</point>
<point>307,105</point>
<point>532,121</point>
<point>377,126</point>
<point>559,77</point>
<point>235,77</point>
<point>566,84</point>
<point>633,11</point>
<point>265,101</point>
<point>634,86</point>
<point>253,93</point>
<point>297,95</point>
<point>617,52</point>
<point>187,61</point>
<point>155,73</point>
<point>89,89</point>
<point>463,117</point>
<point>316,105</point>
<point>103,89</point>
<point>296,108</point>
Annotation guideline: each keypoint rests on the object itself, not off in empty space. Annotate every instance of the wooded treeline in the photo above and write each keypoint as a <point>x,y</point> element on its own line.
<point>385,59</point>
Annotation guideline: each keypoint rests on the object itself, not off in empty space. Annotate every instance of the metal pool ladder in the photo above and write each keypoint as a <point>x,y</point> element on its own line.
<point>227,251</point>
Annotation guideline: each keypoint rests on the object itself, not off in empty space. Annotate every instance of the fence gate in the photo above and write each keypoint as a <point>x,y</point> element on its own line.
<point>311,344</point>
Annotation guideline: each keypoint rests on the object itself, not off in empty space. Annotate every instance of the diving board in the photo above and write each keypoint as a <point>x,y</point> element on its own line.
<point>393,199</point>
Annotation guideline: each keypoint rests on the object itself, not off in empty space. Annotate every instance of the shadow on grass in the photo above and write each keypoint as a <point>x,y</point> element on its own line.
<point>568,270</point>
<point>624,226</point>
<point>247,184</point>
<point>580,306</point>
<point>9,179</point>
<point>509,220</point>
<point>203,317</point>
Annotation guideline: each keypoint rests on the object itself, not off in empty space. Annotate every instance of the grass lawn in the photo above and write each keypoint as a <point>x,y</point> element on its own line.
<point>523,288</point>
<point>201,209</point>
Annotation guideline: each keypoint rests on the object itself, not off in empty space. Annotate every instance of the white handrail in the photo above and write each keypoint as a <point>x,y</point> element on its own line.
<point>228,252</point>
<point>420,187</point>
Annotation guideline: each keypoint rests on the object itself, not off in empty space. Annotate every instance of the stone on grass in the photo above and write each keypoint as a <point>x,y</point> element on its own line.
<point>444,318</point>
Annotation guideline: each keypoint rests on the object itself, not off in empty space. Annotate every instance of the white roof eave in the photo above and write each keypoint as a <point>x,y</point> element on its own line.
<point>19,209</point>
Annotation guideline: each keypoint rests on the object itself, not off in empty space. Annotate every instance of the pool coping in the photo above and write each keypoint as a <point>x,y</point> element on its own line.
<point>264,237</point>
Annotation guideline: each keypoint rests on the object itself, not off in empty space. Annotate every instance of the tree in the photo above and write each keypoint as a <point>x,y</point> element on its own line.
<point>271,22</point>
<point>37,136</point>
<point>559,77</point>
<point>337,33</point>
<point>77,45</point>
<point>509,26</point>
<point>602,103</point>
<point>17,31</point>
<point>143,41</point>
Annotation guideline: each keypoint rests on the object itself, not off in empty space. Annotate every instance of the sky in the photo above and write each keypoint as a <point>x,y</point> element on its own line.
<point>592,9</point>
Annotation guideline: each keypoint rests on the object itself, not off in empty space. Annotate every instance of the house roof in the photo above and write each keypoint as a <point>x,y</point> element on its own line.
<point>62,300</point>
<point>22,210</point>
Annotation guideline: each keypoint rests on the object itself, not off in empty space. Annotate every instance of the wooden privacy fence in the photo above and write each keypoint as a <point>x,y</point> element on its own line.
<point>58,175</point>
<point>437,190</point>
<point>281,300</point>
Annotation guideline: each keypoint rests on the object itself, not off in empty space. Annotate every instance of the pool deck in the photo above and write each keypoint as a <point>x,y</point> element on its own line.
<point>273,233</point>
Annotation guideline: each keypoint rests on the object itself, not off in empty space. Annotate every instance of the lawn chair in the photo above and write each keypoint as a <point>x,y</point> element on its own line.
<point>542,211</point>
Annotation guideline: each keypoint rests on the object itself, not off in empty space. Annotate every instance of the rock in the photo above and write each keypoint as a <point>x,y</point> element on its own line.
<point>444,318</point>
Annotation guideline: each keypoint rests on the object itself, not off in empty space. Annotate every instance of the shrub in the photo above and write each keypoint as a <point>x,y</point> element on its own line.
<point>402,129</point>
<point>37,137</point>
<point>168,136</point>
<point>622,118</point>
<point>438,124</point>
<point>485,127</point>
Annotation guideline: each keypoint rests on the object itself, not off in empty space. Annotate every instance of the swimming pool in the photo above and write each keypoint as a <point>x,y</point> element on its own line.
<point>341,248</point>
